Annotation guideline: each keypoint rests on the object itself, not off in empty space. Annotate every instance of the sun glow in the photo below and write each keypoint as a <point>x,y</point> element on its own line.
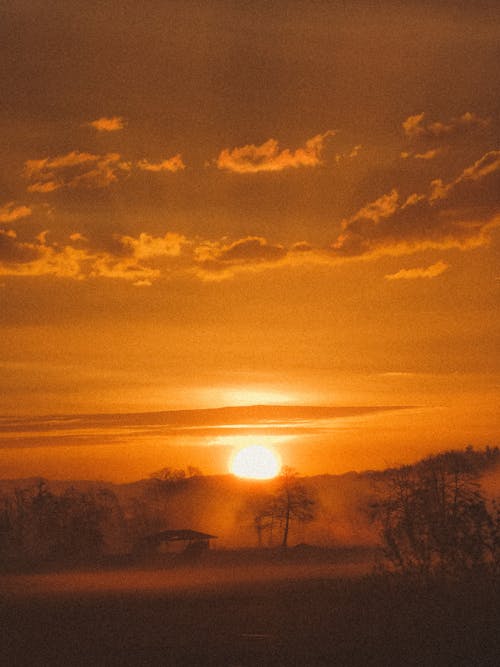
<point>248,395</point>
<point>255,462</point>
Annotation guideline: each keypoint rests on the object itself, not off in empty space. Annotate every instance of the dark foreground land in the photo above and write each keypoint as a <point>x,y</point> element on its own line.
<point>248,622</point>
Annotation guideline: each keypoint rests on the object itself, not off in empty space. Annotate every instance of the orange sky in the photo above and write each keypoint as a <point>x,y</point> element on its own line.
<point>225,204</point>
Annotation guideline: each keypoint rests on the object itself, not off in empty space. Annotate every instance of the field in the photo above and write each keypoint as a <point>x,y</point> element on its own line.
<point>282,614</point>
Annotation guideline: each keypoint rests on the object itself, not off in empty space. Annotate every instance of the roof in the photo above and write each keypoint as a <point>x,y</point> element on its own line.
<point>178,535</point>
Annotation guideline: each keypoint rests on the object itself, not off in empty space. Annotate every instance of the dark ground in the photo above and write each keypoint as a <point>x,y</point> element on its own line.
<point>339,622</point>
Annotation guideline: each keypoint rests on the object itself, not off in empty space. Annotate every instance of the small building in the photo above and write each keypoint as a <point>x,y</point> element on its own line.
<point>174,541</point>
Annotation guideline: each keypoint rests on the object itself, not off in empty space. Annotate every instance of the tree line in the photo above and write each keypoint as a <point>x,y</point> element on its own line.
<point>434,518</point>
<point>431,516</point>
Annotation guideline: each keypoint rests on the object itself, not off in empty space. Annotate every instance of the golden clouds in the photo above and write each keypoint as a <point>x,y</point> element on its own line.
<point>449,212</point>
<point>219,260</point>
<point>418,132</point>
<point>415,128</point>
<point>39,258</point>
<point>251,159</point>
<point>144,258</point>
<point>129,259</point>
<point>250,249</point>
<point>419,272</point>
<point>128,269</point>
<point>104,124</point>
<point>146,246</point>
<point>486,165</point>
<point>382,207</point>
<point>412,126</point>
<point>74,170</point>
<point>460,214</point>
<point>10,212</point>
<point>348,155</point>
<point>426,155</point>
<point>87,170</point>
<point>173,164</point>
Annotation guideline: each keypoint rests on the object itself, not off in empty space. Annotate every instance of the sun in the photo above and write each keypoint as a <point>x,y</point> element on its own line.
<point>255,462</point>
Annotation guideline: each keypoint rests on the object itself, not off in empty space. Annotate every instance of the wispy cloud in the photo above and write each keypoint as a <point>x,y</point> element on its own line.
<point>251,159</point>
<point>11,212</point>
<point>74,430</point>
<point>459,214</point>
<point>486,165</point>
<point>218,260</point>
<point>74,170</point>
<point>105,124</point>
<point>127,268</point>
<point>129,259</point>
<point>349,155</point>
<point>38,258</point>
<point>173,164</point>
<point>419,272</point>
<point>146,246</point>
<point>426,155</point>
<point>383,207</point>
<point>415,126</point>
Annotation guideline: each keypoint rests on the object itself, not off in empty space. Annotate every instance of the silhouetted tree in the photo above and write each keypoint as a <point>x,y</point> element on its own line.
<point>262,510</point>
<point>290,502</point>
<point>175,475</point>
<point>36,523</point>
<point>433,517</point>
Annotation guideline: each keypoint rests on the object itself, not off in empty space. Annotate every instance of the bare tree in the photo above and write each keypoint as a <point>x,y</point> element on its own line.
<point>289,503</point>
<point>37,524</point>
<point>433,517</point>
<point>174,475</point>
<point>262,510</point>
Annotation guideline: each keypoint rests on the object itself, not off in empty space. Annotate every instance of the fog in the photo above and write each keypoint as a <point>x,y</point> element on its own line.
<point>203,578</point>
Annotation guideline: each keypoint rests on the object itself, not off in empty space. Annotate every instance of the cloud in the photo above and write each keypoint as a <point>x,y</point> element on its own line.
<point>302,246</point>
<point>251,249</point>
<point>74,170</point>
<point>216,260</point>
<point>414,126</point>
<point>460,214</point>
<point>486,165</point>
<point>44,187</point>
<point>146,246</point>
<point>382,207</point>
<point>77,237</point>
<point>428,155</point>
<point>10,212</point>
<point>108,124</point>
<point>220,260</point>
<point>130,259</point>
<point>87,170</point>
<point>419,272</point>
<point>107,266</point>
<point>173,164</point>
<point>251,159</point>
<point>127,258</point>
<point>68,430</point>
<point>38,258</point>
<point>354,152</point>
